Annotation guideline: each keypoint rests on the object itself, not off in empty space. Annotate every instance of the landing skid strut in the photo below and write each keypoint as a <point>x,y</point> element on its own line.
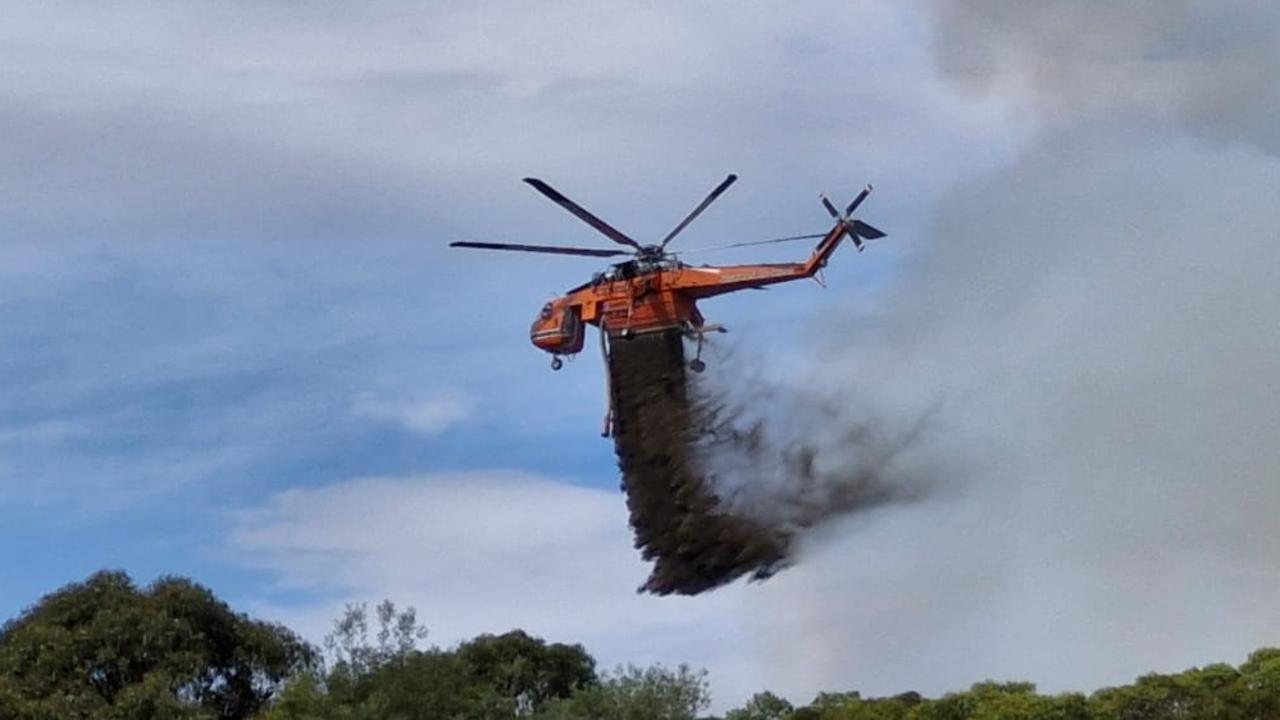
<point>698,334</point>
<point>606,429</point>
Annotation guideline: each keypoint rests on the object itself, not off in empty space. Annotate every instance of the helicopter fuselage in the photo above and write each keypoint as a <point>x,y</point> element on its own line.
<point>652,294</point>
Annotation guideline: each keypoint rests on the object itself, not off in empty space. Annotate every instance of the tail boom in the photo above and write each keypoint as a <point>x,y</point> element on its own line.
<point>711,281</point>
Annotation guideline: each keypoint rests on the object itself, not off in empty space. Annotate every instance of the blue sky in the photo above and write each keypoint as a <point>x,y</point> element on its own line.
<point>237,348</point>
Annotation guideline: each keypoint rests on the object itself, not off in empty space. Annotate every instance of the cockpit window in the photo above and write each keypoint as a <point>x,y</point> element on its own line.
<point>546,311</point>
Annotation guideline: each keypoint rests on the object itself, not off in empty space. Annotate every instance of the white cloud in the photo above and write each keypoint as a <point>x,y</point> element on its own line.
<point>486,552</point>
<point>1199,66</point>
<point>428,417</point>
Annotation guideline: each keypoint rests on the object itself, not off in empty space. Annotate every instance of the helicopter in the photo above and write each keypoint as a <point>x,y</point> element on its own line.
<point>654,290</point>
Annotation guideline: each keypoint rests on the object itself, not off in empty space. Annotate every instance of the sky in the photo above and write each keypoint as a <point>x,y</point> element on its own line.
<point>237,347</point>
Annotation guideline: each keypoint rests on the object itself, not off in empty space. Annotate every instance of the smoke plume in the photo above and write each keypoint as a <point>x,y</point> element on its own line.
<point>1097,322</point>
<point>1059,432</point>
<point>724,478</point>
<point>1206,68</point>
<point>795,455</point>
<point>680,524</point>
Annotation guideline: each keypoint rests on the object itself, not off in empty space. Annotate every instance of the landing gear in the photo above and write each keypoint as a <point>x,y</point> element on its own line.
<point>606,428</point>
<point>699,334</point>
<point>556,363</point>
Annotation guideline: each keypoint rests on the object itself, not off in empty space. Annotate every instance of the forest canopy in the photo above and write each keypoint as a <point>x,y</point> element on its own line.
<point>108,649</point>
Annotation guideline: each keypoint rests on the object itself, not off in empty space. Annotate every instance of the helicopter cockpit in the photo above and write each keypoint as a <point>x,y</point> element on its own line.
<point>558,329</point>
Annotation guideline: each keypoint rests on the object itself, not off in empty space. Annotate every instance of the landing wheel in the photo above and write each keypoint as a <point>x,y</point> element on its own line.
<point>697,365</point>
<point>556,363</point>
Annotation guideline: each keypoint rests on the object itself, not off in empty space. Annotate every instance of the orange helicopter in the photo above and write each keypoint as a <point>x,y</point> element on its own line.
<point>654,291</point>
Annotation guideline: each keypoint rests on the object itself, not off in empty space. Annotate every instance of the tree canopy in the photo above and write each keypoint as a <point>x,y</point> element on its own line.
<point>386,675</point>
<point>635,693</point>
<point>105,648</point>
<point>1215,692</point>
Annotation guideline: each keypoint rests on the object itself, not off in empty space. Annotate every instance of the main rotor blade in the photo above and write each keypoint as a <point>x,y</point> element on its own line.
<point>853,204</point>
<point>551,249</point>
<point>608,230</point>
<point>698,210</point>
<point>748,244</point>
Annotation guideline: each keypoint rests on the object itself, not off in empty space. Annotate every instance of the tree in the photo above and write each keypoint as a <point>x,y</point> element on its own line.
<point>378,672</point>
<point>526,669</point>
<point>1258,690</point>
<point>106,649</point>
<point>422,685</point>
<point>762,706</point>
<point>351,654</point>
<point>833,704</point>
<point>633,693</point>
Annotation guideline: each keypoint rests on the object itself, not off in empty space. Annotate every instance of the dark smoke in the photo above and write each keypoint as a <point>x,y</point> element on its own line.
<point>723,479</point>
<point>679,524</point>
<point>794,459</point>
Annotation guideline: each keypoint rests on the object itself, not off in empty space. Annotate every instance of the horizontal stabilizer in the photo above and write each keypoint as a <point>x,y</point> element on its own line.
<point>866,231</point>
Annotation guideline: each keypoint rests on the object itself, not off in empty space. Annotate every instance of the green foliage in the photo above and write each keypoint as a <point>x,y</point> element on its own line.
<point>526,669</point>
<point>383,675</point>
<point>494,677</point>
<point>633,693</point>
<point>105,649</point>
<point>303,697</point>
<point>425,686</point>
<point>1258,688</point>
<point>380,673</point>
<point>1214,692</point>
<point>762,706</point>
<point>1207,693</point>
<point>852,706</point>
<point>352,654</point>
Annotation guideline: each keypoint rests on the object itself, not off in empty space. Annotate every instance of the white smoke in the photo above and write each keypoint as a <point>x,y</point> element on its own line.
<point>795,455</point>
<point>1207,68</point>
<point>1097,327</point>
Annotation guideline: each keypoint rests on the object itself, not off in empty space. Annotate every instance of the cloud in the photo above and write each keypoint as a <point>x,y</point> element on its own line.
<point>482,551</point>
<point>397,119</point>
<point>429,417</point>
<point>220,227</point>
<point>1193,65</point>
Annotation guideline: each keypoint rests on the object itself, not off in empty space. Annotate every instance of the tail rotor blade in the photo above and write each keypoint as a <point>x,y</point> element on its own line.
<point>853,204</point>
<point>724,185</point>
<point>831,208</point>
<point>603,227</point>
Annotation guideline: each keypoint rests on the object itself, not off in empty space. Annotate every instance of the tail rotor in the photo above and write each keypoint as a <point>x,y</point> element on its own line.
<point>858,230</point>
